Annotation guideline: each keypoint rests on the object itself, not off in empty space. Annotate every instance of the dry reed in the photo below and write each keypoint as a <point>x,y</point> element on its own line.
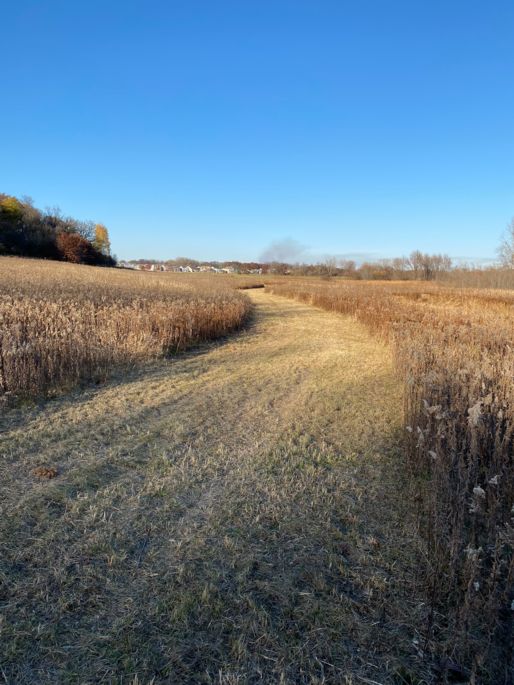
<point>61,323</point>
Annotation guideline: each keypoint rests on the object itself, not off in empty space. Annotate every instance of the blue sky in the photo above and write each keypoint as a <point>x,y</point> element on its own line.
<point>213,128</point>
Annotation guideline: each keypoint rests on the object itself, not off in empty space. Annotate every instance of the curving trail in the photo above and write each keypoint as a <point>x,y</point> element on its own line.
<point>237,514</point>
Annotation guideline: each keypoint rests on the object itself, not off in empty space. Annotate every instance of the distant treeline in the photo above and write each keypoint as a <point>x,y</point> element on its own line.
<point>29,232</point>
<point>418,266</point>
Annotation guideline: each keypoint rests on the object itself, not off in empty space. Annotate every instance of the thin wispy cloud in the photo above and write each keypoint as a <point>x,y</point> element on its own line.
<point>478,261</point>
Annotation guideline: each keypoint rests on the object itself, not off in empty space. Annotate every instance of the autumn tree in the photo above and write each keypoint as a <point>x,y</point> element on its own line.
<point>76,249</point>
<point>101,240</point>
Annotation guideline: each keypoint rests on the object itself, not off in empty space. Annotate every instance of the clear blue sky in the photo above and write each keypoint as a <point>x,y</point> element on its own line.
<point>211,128</point>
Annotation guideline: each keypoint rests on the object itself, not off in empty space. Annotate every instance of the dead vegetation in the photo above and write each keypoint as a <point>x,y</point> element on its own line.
<point>45,472</point>
<point>239,514</point>
<point>62,323</point>
<point>453,351</point>
<point>244,514</point>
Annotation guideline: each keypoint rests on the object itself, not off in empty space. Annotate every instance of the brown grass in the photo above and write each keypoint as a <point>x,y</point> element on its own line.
<point>234,515</point>
<point>243,514</point>
<point>453,350</point>
<point>61,323</point>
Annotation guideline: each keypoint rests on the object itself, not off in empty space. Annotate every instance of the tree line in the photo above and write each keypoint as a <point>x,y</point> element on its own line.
<point>418,266</point>
<point>26,231</point>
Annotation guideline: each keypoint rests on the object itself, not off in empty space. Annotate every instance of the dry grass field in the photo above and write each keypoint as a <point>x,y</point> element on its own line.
<point>453,354</point>
<point>236,514</point>
<point>62,323</point>
<point>317,499</point>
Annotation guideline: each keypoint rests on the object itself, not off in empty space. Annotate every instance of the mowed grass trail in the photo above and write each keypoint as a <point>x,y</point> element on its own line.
<point>238,514</point>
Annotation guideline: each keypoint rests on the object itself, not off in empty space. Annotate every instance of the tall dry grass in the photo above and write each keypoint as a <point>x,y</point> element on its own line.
<point>60,323</point>
<point>453,349</point>
<point>500,278</point>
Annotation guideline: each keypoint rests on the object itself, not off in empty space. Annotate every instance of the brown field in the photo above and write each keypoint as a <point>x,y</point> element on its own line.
<point>63,323</point>
<point>453,353</point>
<point>323,498</point>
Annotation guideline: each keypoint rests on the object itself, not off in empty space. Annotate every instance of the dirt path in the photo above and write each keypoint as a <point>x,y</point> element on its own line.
<point>235,515</point>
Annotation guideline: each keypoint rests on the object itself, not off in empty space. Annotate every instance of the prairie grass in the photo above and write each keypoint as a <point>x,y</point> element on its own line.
<point>234,515</point>
<point>453,351</point>
<point>61,323</point>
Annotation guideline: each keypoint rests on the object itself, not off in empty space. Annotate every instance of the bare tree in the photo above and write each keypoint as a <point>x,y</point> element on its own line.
<point>400,264</point>
<point>420,265</point>
<point>425,266</point>
<point>330,266</point>
<point>506,248</point>
<point>348,266</point>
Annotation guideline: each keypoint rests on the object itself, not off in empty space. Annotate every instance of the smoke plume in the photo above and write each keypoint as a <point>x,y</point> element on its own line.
<point>286,250</point>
